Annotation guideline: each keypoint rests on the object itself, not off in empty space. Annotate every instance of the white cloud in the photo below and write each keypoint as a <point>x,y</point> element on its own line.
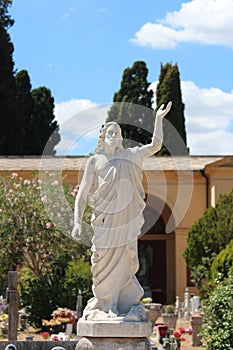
<point>201,21</point>
<point>68,13</point>
<point>208,115</point>
<point>79,123</point>
<point>67,109</point>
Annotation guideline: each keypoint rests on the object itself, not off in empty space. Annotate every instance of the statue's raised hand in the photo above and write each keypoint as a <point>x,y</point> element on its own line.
<point>161,112</point>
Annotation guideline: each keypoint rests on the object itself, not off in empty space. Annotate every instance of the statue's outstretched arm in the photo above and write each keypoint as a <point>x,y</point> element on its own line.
<point>81,198</point>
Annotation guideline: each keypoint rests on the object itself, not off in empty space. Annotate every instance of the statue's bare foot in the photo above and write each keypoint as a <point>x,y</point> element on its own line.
<point>112,313</point>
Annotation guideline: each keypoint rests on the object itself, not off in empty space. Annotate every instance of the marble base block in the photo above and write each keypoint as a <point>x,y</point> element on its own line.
<point>113,344</point>
<point>113,335</point>
<point>113,328</point>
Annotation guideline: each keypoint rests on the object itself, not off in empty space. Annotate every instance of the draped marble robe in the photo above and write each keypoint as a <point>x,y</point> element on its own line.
<point>118,203</point>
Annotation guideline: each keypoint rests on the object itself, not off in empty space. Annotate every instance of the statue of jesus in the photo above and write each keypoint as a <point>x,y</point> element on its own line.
<point>112,184</point>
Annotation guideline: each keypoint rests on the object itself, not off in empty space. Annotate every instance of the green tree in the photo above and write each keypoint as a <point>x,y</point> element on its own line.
<point>44,129</point>
<point>206,238</point>
<point>169,89</point>
<point>128,109</point>
<point>38,129</point>
<point>7,84</point>
<point>25,107</point>
<point>26,117</point>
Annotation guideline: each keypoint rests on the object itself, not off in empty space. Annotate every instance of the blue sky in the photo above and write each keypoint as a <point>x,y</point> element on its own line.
<point>79,49</point>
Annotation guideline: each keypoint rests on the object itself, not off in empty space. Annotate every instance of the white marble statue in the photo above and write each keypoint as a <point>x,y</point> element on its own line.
<point>112,184</point>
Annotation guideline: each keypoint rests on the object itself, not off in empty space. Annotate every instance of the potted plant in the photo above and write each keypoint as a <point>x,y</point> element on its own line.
<point>170,316</point>
<point>153,310</point>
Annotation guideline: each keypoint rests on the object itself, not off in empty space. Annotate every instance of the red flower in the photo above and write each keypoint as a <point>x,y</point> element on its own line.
<point>189,331</point>
<point>45,335</point>
<point>181,330</point>
<point>54,337</point>
<point>182,339</point>
<point>177,334</point>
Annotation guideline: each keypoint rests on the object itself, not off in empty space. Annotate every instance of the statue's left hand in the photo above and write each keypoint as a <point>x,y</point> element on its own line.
<point>161,112</point>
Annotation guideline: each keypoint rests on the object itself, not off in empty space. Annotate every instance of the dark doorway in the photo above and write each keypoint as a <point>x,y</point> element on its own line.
<point>152,271</point>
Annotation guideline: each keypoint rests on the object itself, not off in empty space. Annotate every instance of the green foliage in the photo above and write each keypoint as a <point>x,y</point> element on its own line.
<point>207,237</point>
<point>44,129</point>
<point>217,330</point>
<point>51,266</point>
<point>78,277</point>
<point>28,235</point>
<point>7,94</point>
<point>130,101</point>
<point>168,89</point>
<point>26,117</point>
<point>5,20</point>
<point>37,127</point>
<point>25,106</point>
<point>223,262</point>
<point>57,288</point>
<point>169,309</point>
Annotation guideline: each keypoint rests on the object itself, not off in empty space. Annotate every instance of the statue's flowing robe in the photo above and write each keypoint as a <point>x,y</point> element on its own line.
<point>118,204</point>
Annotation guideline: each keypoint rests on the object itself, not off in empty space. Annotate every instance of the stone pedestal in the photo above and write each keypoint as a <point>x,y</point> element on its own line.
<point>113,335</point>
<point>88,343</point>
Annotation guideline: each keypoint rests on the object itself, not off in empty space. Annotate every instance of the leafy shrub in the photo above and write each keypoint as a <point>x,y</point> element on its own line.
<point>223,262</point>
<point>217,330</point>
<point>40,295</point>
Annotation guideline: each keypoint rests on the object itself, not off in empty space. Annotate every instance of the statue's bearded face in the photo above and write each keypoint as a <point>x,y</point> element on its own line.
<point>113,135</point>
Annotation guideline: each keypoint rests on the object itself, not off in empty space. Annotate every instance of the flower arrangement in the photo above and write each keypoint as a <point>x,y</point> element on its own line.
<point>64,315</point>
<point>61,317</point>
<point>174,342</point>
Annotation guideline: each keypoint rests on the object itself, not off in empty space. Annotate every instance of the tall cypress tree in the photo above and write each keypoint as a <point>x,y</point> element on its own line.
<point>44,129</point>
<point>8,110</point>
<point>27,124</point>
<point>25,110</point>
<point>168,89</point>
<point>128,109</point>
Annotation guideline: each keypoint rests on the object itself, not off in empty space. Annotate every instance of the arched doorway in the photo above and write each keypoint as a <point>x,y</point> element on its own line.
<point>156,250</point>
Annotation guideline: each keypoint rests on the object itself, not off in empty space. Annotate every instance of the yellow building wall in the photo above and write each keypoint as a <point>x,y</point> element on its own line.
<point>220,181</point>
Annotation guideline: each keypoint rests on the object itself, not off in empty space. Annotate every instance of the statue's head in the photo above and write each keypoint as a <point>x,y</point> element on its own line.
<point>111,132</point>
